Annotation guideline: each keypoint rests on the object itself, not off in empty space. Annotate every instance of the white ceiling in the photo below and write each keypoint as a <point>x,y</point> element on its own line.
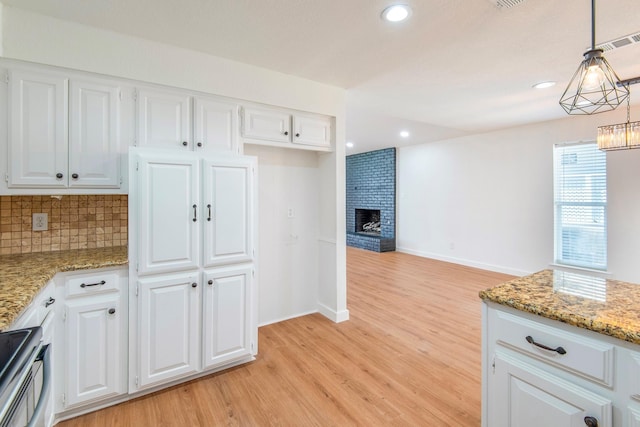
<point>455,67</point>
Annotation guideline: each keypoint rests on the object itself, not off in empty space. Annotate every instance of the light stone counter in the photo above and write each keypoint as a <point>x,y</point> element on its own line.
<point>22,276</point>
<point>608,307</point>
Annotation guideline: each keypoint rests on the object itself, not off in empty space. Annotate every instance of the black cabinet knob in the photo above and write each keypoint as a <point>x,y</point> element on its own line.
<point>185,143</point>
<point>286,132</point>
<point>210,282</point>
<point>199,144</point>
<point>74,176</point>
<point>590,422</point>
<point>112,310</point>
<point>194,284</point>
<point>297,134</point>
<point>59,175</point>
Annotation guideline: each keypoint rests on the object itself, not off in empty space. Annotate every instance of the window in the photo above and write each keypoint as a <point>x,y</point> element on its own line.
<point>580,199</point>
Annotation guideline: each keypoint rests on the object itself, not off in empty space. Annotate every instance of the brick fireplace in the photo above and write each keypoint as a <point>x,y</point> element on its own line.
<point>371,200</point>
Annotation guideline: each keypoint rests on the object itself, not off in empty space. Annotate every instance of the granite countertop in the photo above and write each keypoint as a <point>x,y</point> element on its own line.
<point>605,306</point>
<point>22,276</point>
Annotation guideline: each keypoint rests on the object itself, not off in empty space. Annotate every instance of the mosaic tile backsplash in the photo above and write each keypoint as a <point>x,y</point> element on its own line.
<point>75,222</point>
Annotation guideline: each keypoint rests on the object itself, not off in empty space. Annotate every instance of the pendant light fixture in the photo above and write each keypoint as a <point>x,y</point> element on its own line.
<point>593,88</point>
<point>623,135</point>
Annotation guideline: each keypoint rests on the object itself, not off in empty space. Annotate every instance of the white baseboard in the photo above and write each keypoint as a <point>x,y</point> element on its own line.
<point>468,263</point>
<point>282,319</point>
<point>336,316</point>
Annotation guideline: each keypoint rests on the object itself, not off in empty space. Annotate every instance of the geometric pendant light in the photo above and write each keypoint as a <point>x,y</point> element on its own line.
<point>593,88</point>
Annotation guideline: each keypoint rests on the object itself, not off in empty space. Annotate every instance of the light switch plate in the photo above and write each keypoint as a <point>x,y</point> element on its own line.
<point>40,222</point>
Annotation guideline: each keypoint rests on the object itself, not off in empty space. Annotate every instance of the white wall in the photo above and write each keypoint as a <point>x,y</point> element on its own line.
<point>487,200</point>
<point>1,30</point>
<point>289,280</point>
<point>32,37</point>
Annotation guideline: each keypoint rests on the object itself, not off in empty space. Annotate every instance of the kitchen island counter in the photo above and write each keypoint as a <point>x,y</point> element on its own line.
<point>22,276</point>
<point>609,307</point>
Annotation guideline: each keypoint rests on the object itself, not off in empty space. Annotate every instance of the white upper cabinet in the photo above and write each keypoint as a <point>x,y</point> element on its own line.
<point>313,131</point>
<point>285,128</point>
<point>168,204</point>
<point>62,141</point>
<point>228,199</point>
<point>38,117</point>
<point>266,124</point>
<point>164,119</point>
<point>215,126</point>
<point>94,152</point>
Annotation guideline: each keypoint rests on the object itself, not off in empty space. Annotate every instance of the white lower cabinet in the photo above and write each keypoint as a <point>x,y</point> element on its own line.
<point>634,416</point>
<point>226,315</point>
<point>168,314</point>
<point>540,372</point>
<point>178,319</point>
<point>92,337</point>
<point>526,396</point>
<point>93,349</point>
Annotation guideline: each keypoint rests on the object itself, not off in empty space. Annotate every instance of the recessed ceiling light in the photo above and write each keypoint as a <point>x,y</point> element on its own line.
<point>544,85</point>
<point>404,134</point>
<point>396,13</point>
<point>349,144</point>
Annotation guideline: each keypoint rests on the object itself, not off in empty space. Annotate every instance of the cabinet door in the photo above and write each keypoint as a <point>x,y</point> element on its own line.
<point>94,137</point>
<point>38,130</point>
<point>168,332</point>
<point>94,333</point>
<point>168,217</point>
<point>315,131</point>
<point>266,124</point>
<point>216,126</point>
<point>164,119</point>
<point>525,396</point>
<point>228,204</point>
<point>227,315</point>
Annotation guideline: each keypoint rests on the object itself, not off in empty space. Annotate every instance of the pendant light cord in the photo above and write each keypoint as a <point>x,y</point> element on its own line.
<point>593,24</point>
<point>628,104</point>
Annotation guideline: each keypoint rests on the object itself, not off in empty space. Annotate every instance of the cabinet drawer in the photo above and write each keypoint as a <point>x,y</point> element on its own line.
<point>93,284</point>
<point>576,353</point>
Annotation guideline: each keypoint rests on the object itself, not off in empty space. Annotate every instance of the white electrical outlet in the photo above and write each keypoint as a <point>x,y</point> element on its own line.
<point>40,222</point>
<point>290,213</point>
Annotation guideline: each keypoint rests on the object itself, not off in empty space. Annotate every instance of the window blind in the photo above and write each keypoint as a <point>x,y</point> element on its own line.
<point>580,200</point>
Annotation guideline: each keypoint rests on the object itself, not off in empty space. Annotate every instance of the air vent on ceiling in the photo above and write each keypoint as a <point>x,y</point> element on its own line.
<point>619,42</point>
<point>505,3</point>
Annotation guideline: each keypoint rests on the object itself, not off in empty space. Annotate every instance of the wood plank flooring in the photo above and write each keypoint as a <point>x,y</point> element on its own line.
<point>409,356</point>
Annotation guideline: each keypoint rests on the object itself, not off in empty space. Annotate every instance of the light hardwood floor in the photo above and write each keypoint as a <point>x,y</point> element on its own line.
<point>409,356</point>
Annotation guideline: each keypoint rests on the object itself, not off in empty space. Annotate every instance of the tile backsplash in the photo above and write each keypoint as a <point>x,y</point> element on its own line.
<point>75,222</point>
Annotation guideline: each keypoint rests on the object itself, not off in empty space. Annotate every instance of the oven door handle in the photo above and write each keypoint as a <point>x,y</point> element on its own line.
<point>45,357</point>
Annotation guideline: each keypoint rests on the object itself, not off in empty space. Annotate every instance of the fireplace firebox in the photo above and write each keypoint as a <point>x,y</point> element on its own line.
<point>368,222</point>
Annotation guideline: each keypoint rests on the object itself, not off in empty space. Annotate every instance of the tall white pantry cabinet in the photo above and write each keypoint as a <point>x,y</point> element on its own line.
<point>192,264</point>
